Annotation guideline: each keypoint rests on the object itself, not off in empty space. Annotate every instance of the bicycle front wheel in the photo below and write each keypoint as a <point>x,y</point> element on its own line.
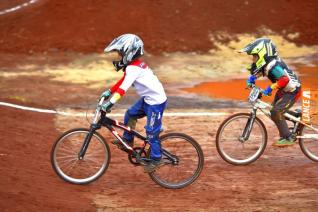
<point>308,142</point>
<point>186,166</point>
<point>230,145</point>
<point>67,164</point>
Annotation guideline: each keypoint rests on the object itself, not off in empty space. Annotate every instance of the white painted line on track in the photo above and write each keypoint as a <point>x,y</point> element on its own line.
<point>27,108</point>
<point>195,114</point>
<point>2,12</point>
<point>167,114</point>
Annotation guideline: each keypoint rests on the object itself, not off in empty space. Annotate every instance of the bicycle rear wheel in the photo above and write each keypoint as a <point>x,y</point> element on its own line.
<point>65,157</point>
<point>235,151</point>
<point>186,167</point>
<point>309,142</point>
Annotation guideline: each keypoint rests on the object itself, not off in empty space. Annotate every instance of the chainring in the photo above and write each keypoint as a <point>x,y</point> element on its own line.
<point>132,159</point>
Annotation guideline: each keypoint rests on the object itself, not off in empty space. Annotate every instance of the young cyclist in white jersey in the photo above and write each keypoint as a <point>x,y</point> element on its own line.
<point>153,98</point>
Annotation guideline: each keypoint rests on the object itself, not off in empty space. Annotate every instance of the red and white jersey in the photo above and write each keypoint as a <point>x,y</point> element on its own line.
<point>140,76</point>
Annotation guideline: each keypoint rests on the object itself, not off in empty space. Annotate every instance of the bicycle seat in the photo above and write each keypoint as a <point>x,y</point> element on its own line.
<point>297,113</point>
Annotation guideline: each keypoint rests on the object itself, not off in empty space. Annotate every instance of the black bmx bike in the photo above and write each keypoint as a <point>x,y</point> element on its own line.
<point>81,155</point>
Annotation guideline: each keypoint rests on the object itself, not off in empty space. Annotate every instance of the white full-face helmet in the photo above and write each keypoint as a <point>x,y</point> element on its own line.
<point>129,46</point>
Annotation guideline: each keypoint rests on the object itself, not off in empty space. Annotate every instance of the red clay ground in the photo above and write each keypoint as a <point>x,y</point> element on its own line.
<point>27,181</point>
<point>165,26</point>
<point>281,180</point>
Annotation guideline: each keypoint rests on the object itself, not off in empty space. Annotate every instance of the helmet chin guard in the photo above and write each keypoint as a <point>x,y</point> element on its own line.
<point>118,65</point>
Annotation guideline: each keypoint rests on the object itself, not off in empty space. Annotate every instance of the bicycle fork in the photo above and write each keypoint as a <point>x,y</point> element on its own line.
<point>87,139</point>
<point>248,127</point>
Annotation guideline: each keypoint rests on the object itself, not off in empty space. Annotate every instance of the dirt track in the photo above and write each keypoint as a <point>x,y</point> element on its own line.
<point>281,180</point>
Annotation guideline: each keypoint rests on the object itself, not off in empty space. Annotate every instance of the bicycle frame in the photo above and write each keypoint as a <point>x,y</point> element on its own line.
<point>255,99</point>
<point>100,119</point>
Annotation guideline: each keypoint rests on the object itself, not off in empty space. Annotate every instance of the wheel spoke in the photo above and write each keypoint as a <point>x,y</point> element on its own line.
<point>67,151</point>
<point>91,160</point>
<point>63,162</point>
<point>66,156</point>
<point>90,165</point>
<point>69,168</point>
<point>95,154</point>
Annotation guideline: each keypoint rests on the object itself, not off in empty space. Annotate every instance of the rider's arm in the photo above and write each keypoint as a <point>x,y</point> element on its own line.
<point>280,83</point>
<point>120,88</point>
<point>131,74</point>
<point>114,88</point>
<point>107,93</point>
<point>281,80</point>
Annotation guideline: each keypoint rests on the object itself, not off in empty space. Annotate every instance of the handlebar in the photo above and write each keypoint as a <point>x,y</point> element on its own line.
<point>256,93</point>
<point>98,110</point>
<point>254,86</point>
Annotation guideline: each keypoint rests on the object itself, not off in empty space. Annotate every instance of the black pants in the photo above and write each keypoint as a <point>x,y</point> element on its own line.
<point>282,102</point>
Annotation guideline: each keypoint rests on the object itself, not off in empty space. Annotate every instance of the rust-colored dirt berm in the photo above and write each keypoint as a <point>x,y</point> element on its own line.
<point>165,26</point>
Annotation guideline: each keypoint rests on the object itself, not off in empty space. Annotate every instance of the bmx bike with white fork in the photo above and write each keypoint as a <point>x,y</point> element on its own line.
<point>81,155</point>
<point>242,138</point>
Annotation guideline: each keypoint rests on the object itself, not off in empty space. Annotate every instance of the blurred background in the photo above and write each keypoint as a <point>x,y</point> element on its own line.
<point>54,49</point>
<point>51,57</point>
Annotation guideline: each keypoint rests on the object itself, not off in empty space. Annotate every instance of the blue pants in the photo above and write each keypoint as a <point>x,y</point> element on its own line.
<point>154,122</point>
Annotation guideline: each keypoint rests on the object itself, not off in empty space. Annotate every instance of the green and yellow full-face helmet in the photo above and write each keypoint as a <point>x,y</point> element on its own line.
<point>265,49</point>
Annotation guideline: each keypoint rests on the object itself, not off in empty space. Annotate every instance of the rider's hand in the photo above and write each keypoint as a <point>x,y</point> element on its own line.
<point>268,91</point>
<point>106,94</point>
<point>107,106</point>
<point>251,81</point>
